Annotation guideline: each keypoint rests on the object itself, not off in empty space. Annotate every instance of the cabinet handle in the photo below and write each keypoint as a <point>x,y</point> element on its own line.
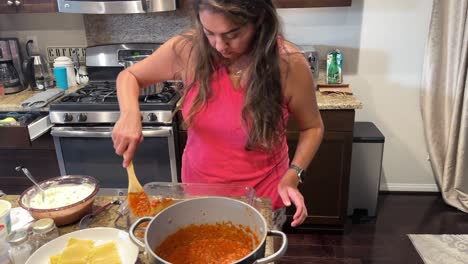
<point>17,3</point>
<point>9,3</point>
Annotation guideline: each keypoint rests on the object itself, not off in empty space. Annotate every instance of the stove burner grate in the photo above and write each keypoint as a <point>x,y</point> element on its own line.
<point>106,93</point>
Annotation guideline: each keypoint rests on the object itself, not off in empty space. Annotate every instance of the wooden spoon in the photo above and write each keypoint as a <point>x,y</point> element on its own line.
<point>137,198</point>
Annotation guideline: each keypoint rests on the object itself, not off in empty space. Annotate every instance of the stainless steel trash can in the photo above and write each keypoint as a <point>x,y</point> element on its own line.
<point>366,168</point>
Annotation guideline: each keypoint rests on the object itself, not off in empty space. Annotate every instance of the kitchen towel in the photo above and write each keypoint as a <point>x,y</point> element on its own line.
<point>42,99</point>
<point>441,249</point>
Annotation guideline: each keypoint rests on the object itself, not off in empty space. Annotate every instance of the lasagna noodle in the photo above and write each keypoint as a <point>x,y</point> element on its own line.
<point>105,254</point>
<point>76,252</point>
<point>55,259</point>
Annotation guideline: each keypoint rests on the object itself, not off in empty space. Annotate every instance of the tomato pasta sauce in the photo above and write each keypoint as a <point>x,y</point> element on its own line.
<point>219,243</point>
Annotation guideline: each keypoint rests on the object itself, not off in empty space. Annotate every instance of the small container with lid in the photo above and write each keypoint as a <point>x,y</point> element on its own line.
<point>68,64</point>
<point>44,230</point>
<point>20,246</point>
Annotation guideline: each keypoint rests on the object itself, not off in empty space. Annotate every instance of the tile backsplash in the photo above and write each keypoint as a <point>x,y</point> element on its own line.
<point>154,27</point>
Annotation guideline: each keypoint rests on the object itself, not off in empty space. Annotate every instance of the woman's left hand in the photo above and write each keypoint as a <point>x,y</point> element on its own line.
<point>287,189</point>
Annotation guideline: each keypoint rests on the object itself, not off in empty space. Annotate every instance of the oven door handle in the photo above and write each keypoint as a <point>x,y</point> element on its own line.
<point>96,132</point>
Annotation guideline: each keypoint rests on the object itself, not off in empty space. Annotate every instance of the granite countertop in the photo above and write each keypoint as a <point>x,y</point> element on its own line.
<point>337,101</point>
<point>11,102</point>
<point>110,218</point>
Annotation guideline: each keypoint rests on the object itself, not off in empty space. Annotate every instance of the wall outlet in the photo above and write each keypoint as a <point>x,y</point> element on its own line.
<point>54,52</point>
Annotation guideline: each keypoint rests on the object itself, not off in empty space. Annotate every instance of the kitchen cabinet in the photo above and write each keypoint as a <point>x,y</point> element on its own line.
<point>185,4</point>
<point>25,144</point>
<point>39,158</point>
<point>326,180</point>
<point>28,6</point>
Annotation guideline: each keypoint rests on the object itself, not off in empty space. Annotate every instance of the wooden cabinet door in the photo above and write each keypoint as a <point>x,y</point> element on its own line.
<point>326,180</point>
<point>7,6</point>
<point>37,6</point>
<point>40,159</point>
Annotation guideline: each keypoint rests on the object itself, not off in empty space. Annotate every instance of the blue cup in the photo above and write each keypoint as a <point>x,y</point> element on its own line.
<point>61,77</point>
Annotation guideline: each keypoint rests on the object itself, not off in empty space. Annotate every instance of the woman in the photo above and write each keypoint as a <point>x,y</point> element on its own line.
<point>242,80</point>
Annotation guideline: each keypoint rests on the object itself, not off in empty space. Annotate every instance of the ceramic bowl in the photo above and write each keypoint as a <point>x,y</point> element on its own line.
<point>69,212</point>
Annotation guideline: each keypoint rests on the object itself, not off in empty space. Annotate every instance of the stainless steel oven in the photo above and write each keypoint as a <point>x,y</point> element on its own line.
<point>83,122</point>
<point>89,151</point>
<point>115,6</point>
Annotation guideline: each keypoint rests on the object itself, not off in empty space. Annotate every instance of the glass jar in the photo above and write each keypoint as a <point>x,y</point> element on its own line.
<point>20,246</point>
<point>4,257</point>
<point>44,230</point>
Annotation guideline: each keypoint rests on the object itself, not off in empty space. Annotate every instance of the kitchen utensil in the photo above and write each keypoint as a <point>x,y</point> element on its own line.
<point>151,89</point>
<point>76,59</point>
<point>42,99</point>
<point>9,76</point>
<point>66,214</point>
<point>138,200</point>
<point>208,210</point>
<point>86,220</point>
<point>82,76</point>
<point>29,175</point>
<point>42,74</point>
<point>11,58</point>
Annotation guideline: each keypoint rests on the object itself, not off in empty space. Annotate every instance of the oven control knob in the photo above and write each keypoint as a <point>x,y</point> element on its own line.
<point>67,117</point>
<point>82,117</point>
<point>152,117</point>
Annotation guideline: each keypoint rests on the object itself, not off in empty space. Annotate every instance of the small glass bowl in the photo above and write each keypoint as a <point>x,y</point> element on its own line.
<point>66,214</point>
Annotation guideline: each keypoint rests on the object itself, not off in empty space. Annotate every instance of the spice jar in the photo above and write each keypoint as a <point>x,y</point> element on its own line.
<point>44,230</point>
<point>20,246</point>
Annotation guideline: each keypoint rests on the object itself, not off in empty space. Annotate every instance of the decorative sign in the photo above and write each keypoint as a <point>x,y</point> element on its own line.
<point>54,52</point>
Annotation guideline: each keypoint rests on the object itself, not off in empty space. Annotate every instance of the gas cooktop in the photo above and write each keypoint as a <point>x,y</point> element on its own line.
<point>97,102</point>
<point>103,96</point>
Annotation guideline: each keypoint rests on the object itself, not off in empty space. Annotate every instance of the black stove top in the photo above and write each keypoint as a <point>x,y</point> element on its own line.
<point>103,96</point>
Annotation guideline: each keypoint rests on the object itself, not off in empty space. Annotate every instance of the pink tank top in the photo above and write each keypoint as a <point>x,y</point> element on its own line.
<point>215,150</point>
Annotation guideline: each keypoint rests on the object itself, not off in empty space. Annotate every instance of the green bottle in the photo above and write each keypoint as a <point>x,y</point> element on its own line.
<point>334,67</point>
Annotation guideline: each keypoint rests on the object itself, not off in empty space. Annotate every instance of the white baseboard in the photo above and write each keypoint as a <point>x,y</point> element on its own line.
<point>409,187</point>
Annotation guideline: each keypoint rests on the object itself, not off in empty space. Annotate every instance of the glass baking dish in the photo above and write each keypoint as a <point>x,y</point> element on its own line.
<point>184,191</point>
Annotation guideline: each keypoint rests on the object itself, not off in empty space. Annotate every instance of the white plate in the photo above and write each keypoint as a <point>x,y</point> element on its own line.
<point>128,251</point>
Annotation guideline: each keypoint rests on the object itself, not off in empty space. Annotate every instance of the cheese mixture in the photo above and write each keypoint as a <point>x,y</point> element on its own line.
<point>61,195</point>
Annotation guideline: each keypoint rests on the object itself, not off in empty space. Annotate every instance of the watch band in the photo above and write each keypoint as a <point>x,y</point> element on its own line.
<point>298,170</point>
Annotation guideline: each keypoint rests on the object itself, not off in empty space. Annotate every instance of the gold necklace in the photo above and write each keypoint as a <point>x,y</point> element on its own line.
<point>238,73</point>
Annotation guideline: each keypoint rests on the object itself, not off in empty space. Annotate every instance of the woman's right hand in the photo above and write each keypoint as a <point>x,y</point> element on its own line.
<point>127,134</point>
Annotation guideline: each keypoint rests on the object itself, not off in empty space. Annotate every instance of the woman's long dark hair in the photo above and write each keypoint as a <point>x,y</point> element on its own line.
<point>262,113</point>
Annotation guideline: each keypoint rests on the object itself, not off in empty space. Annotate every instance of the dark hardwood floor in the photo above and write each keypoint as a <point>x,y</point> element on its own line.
<point>380,240</point>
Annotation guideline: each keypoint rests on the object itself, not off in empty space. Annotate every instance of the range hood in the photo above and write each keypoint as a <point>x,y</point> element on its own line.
<point>115,7</point>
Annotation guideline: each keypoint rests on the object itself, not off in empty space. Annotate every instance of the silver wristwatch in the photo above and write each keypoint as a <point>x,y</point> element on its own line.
<point>299,171</point>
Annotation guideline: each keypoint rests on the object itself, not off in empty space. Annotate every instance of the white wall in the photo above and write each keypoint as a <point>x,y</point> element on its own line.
<point>51,29</point>
<point>385,41</point>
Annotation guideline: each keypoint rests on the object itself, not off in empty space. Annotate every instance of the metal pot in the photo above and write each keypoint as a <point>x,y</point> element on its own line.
<point>152,89</point>
<point>207,210</point>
